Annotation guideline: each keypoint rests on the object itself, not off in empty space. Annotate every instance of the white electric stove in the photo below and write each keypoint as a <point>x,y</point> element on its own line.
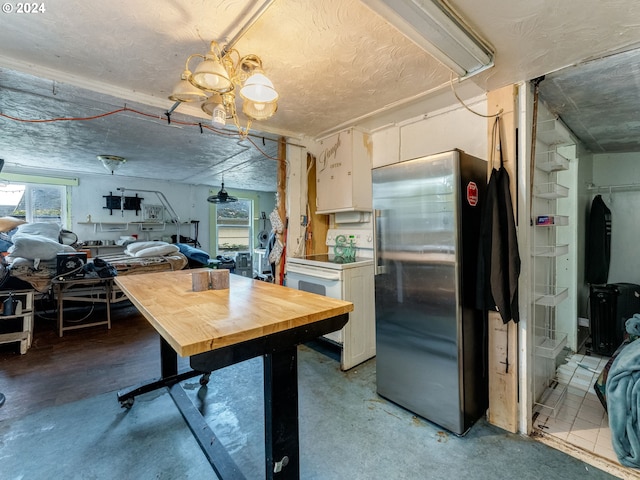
<point>341,274</point>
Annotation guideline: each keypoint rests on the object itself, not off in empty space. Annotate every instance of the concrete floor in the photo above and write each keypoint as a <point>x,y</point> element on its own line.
<point>346,432</point>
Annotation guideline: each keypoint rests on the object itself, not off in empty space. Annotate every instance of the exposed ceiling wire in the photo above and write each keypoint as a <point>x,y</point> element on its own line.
<point>466,106</point>
<point>138,112</point>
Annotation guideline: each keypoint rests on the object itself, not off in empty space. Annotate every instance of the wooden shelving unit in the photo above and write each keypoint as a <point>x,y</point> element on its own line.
<point>19,326</point>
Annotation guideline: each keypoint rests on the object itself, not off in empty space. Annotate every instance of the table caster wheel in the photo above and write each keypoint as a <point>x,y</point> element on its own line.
<point>204,379</point>
<point>128,403</point>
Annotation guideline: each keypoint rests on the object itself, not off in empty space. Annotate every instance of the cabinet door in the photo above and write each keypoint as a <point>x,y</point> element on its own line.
<point>334,173</point>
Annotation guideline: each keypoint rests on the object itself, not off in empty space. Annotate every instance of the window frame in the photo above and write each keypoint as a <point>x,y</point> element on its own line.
<point>249,226</point>
<point>27,201</point>
<point>63,182</point>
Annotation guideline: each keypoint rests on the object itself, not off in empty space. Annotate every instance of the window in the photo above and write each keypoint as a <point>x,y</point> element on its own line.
<point>34,202</point>
<point>234,227</point>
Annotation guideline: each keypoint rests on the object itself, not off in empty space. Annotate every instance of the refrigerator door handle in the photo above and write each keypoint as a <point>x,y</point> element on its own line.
<point>379,268</point>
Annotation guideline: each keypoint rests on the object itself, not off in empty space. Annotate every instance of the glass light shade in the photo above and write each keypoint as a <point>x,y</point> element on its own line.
<point>183,91</point>
<point>211,76</point>
<point>259,89</point>
<point>259,111</point>
<point>112,162</point>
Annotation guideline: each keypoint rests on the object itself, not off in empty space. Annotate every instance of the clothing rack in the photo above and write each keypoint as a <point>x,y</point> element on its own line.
<point>627,187</point>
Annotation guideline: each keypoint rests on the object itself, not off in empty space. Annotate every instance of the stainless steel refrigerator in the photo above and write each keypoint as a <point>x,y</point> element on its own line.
<point>430,339</point>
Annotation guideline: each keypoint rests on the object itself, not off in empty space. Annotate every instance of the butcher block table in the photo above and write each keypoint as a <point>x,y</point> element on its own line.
<point>218,328</point>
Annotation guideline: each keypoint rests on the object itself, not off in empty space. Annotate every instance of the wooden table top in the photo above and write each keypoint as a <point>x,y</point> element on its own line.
<point>196,322</point>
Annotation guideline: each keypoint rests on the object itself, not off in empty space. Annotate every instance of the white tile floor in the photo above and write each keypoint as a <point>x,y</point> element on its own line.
<point>580,419</point>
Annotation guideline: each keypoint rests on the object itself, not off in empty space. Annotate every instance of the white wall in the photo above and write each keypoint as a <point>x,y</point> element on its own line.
<point>433,132</point>
<point>189,202</point>
<point>621,169</point>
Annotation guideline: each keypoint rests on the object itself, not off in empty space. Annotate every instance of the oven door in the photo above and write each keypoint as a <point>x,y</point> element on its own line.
<point>322,281</point>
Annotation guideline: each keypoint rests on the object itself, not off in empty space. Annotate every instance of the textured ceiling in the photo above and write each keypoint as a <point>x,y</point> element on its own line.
<point>335,63</point>
<point>153,147</point>
<point>599,101</point>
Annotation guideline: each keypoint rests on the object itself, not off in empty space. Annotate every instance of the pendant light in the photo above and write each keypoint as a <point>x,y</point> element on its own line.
<point>222,196</point>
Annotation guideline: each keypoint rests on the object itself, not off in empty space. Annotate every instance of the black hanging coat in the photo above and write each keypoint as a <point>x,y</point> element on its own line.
<point>499,259</point>
<point>598,251</point>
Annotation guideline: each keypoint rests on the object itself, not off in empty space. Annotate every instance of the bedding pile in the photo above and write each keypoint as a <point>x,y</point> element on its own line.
<point>33,248</point>
<point>32,252</point>
<point>623,404</point>
<point>143,257</point>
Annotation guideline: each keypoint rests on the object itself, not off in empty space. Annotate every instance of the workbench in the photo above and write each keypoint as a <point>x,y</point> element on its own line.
<point>218,328</point>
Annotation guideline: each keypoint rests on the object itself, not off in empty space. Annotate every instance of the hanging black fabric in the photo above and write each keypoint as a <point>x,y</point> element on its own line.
<point>598,251</point>
<point>498,259</point>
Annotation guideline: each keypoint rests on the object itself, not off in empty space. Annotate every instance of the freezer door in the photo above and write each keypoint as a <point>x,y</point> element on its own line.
<point>431,341</point>
<point>416,297</point>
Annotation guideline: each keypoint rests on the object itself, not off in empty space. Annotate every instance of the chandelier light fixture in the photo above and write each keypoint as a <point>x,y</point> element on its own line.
<point>219,79</point>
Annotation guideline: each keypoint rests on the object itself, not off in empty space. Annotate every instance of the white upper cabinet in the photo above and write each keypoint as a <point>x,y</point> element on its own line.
<point>343,173</point>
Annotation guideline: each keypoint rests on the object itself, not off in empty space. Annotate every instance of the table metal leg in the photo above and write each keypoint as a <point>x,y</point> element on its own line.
<point>282,449</point>
<point>108,288</point>
<point>169,376</point>
<point>280,354</point>
<point>213,449</point>
<point>168,359</point>
<point>60,307</point>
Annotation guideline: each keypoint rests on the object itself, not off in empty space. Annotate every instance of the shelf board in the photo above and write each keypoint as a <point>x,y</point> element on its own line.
<point>551,220</point>
<point>551,250</point>
<point>552,398</point>
<point>552,132</point>
<point>144,226</point>
<point>550,296</point>
<point>551,161</point>
<point>550,191</point>
<point>550,346</point>
<point>131,223</point>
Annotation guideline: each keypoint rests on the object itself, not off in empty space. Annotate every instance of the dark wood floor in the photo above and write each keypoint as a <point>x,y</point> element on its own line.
<point>81,364</point>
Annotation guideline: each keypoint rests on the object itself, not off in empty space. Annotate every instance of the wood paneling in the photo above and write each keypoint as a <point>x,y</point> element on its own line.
<point>281,205</point>
<point>503,339</point>
<point>318,224</point>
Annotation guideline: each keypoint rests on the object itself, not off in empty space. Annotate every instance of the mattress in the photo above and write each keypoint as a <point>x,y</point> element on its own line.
<point>127,265</point>
<point>39,276</point>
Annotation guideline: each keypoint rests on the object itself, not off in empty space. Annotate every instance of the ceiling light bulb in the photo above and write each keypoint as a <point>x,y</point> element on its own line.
<point>219,116</point>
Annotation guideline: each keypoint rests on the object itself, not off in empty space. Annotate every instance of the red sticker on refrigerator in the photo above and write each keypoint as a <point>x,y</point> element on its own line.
<point>472,193</point>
